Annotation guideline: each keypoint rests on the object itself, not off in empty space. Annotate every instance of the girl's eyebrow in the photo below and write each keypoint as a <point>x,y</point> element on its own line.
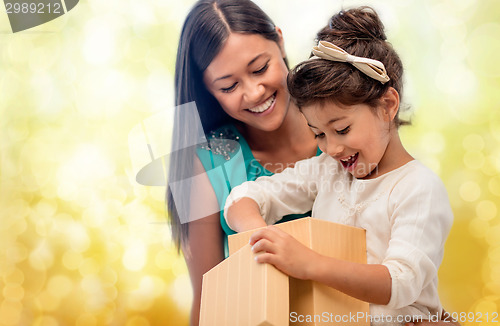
<point>329,122</point>
<point>249,63</point>
<point>334,120</point>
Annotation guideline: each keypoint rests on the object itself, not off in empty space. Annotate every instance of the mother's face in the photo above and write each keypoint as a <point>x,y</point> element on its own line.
<point>248,78</point>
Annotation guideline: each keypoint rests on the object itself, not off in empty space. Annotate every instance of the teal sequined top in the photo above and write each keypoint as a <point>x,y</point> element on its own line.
<point>228,162</point>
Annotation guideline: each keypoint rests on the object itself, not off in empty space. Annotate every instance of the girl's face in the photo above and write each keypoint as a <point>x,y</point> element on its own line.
<point>248,78</point>
<point>357,137</point>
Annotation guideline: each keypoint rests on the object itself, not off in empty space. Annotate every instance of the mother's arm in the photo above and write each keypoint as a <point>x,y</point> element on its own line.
<point>204,247</point>
<point>203,250</point>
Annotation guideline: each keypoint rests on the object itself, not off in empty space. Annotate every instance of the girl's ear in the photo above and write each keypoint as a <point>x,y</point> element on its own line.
<point>281,42</point>
<point>390,104</point>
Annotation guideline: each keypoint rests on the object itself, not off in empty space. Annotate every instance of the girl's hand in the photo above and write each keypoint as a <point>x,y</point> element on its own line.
<point>276,247</point>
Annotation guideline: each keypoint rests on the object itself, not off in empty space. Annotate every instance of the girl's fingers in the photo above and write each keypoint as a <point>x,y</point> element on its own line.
<point>268,233</point>
<point>263,245</point>
<point>265,258</point>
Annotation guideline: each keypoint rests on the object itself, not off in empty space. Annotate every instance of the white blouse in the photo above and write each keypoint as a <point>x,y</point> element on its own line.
<point>405,212</point>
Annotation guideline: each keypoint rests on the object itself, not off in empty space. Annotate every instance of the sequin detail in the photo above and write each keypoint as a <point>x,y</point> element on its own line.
<point>222,142</point>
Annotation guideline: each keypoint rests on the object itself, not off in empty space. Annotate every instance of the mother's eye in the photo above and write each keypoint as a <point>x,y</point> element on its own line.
<point>263,69</point>
<point>228,89</point>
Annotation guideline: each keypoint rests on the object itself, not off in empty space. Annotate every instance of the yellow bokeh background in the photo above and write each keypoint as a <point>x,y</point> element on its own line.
<point>82,243</point>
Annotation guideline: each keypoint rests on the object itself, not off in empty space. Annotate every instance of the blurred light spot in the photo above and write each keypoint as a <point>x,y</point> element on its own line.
<point>493,236</point>
<point>470,191</point>
<point>494,255</point>
<point>153,285</point>
<point>486,306</point>
<point>86,320</point>
<point>47,301</point>
<point>89,266</point>
<point>494,158</point>
<point>474,160</point>
<point>109,276</point>
<point>18,131</point>
<point>473,142</point>
<point>137,321</point>
<point>495,125</point>
<point>43,88</point>
<point>19,227</point>
<point>10,311</point>
<point>489,168</point>
<point>46,321</point>
<point>41,258</point>
<point>142,13</point>
<point>160,90</point>
<point>495,273</point>
<point>77,237</point>
<point>13,292</point>
<point>483,47</point>
<point>163,260</point>
<point>59,286</point>
<point>14,277</point>
<point>44,208</point>
<point>454,78</point>
<point>41,58</point>
<point>88,165</point>
<point>433,142</point>
<point>486,210</point>
<point>139,301</point>
<point>17,252</point>
<point>135,256</point>
<point>99,43</point>
<point>494,185</point>
<point>478,227</point>
<point>96,297</point>
<point>72,260</point>
<point>179,291</point>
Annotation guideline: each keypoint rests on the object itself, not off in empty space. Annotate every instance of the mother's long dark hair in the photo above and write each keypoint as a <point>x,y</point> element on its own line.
<point>203,35</point>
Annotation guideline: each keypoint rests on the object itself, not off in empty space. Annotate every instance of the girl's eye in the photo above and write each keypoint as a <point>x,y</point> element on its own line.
<point>262,70</point>
<point>343,131</point>
<point>228,89</point>
<point>319,135</point>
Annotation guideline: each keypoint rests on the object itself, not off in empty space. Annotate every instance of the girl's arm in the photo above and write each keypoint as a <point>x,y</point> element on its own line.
<point>269,198</point>
<point>367,282</point>
<point>244,215</point>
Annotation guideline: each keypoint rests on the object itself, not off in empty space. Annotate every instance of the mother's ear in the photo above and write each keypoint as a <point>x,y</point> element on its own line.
<point>390,104</point>
<point>281,41</point>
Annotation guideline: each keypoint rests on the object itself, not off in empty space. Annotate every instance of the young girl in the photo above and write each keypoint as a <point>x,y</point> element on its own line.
<point>232,63</point>
<point>349,93</point>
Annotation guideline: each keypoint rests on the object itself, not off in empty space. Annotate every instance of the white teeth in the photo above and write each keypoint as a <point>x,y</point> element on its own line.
<point>350,157</point>
<point>264,106</point>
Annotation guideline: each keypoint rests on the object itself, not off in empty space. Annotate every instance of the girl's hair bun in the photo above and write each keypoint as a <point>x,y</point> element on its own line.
<point>358,23</point>
<point>360,32</point>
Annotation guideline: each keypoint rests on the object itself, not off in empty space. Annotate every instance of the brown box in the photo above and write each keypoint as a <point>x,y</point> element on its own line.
<point>241,292</point>
<point>310,302</point>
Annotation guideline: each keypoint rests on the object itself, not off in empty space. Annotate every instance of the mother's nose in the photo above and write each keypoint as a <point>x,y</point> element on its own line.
<point>254,93</point>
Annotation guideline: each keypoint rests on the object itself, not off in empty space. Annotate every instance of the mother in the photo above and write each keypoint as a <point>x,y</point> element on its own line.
<point>231,63</point>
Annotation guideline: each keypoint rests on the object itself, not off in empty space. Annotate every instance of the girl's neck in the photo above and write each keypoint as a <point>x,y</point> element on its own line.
<point>292,133</point>
<point>394,157</point>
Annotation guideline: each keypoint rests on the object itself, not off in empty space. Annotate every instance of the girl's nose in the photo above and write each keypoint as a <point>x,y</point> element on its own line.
<point>334,149</point>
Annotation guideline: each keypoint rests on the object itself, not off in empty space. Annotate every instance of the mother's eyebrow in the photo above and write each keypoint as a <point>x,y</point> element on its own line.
<point>249,63</point>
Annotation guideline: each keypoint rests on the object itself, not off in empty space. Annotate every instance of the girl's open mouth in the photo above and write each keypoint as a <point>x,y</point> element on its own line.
<point>349,162</point>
